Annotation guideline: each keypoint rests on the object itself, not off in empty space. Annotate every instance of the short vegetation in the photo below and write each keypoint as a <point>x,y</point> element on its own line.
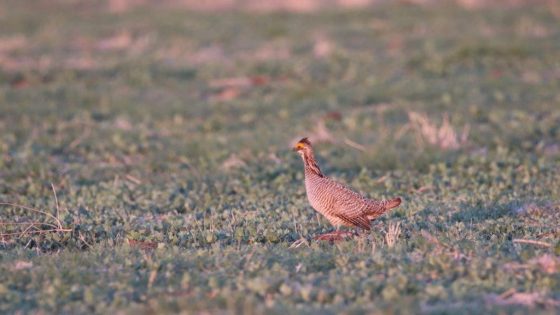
<point>145,162</point>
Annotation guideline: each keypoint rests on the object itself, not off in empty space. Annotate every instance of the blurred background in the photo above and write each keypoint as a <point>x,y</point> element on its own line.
<point>222,82</point>
<point>155,138</point>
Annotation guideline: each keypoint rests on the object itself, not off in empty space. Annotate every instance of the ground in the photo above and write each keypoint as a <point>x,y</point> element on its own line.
<point>156,142</point>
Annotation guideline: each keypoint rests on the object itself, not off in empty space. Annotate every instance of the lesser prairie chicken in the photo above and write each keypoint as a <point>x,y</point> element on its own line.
<point>338,203</point>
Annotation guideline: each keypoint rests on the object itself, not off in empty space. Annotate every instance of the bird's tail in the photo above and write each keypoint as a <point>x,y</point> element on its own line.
<point>392,203</point>
<point>385,206</point>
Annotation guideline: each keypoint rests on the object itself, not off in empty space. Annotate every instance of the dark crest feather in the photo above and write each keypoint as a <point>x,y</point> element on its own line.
<point>305,140</point>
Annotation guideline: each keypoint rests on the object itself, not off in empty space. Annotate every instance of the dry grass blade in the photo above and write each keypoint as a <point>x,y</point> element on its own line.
<point>392,235</point>
<point>532,242</point>
<point>354,145</point>
<point>152,278</point>
<point>232,162</point>
<point>133,179</point>
<point>57,207</point>
<point>298,243</point>
<point>34,227</point>
<point>440,246</point>
<point>373,247</point>
<point>22,265</point>
<point>321,133</point>
<point>546,263</point>
<point>34,232</point>
<point>83,239</point>
<point>59,224</point>
<point>511,297</point>
<point>29,223</point>
<point>144,245</point>
<point>240,82</point>
<point>432,239</point>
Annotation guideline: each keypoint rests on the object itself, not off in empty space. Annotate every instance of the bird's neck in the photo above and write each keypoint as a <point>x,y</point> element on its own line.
<point>310,164</point>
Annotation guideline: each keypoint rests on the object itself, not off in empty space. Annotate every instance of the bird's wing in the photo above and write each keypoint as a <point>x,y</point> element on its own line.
<point>348,202</point>
<point>361,222</point>
<point>376,207</point>
<point>355,209</point>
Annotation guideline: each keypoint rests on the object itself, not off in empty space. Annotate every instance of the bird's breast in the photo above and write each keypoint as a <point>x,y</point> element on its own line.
<point>317,194</point>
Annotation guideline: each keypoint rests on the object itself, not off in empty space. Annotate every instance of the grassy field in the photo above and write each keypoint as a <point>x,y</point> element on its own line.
<point>166,136</point>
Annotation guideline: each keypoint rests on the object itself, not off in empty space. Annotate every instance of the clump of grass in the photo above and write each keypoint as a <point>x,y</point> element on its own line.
<point>51,224</point>
<point>392,234</point>
<point>443,137</point>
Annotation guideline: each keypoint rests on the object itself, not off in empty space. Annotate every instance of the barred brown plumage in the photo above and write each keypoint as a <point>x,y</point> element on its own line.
<point>338,203</point>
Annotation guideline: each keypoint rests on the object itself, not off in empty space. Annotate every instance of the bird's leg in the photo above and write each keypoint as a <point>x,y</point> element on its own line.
<point>341,233</point>
<point>334,236</point>
<point>337,230</point>
<point>346,234</point>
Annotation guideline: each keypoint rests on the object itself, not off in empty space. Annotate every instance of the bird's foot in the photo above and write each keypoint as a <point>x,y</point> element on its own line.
<point>335,236</point>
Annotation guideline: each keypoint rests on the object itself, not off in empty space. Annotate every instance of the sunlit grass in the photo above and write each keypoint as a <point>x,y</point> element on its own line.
<point>166,136</point>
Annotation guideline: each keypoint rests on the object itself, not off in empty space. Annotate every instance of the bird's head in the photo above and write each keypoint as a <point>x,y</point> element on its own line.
<point>303,146</point>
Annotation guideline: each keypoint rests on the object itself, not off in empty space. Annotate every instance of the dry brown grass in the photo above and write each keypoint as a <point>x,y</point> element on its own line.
<point>322,134</point>
<point>232,162</point>
<point>443,137</point>
<point>51,223</point>
<point>12,43</point>
<point>392,234</point>
<point>301,6</point>
<point>443,248</point>
<point>323,46</point>
<point>547,263</point>
<point>511,297</point>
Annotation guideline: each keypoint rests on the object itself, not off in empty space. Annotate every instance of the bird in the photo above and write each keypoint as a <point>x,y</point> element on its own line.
<point>341,205</point>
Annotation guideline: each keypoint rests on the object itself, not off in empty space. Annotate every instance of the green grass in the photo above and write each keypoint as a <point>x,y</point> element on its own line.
<point>136,134</point>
